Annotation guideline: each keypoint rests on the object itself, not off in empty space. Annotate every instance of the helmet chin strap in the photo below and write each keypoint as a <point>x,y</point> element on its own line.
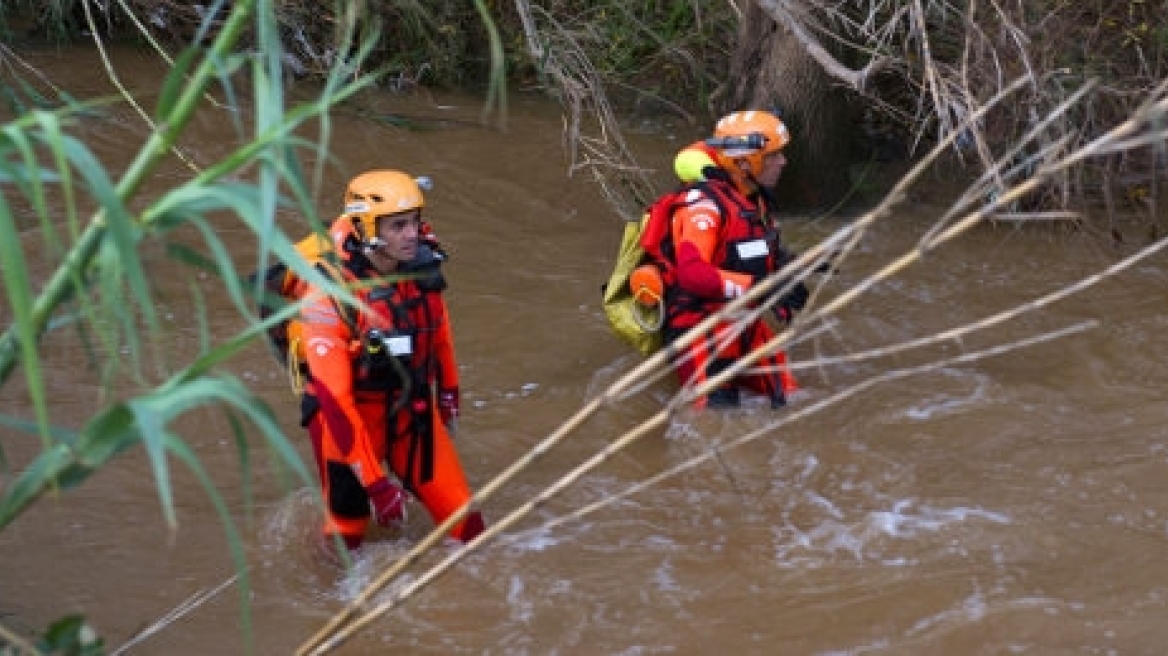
<point>367,243</point>
<point>378,258</point>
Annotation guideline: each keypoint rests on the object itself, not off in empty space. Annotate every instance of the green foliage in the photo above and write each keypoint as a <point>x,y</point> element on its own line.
<point>101,286</point>
<point>102,269</point>
<point>58,20</point>
<point>22,97</point>
<point>71,636</point>
<point>677,51</point>
<point>19,95</point>
<point>674,49</point>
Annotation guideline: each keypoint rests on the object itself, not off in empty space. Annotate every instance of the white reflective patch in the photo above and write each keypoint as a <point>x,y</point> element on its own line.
<point>703,222</point>
<point>400,345</point>
<point>751,249</point>
<point>356,207</point>
<point>321,345</point>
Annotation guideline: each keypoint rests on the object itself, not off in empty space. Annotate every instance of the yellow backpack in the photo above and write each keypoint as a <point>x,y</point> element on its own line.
<point>633,297</point>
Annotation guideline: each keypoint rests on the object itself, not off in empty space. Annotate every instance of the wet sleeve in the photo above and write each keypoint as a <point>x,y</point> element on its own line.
<point>444,348</point>
<point>330,361</point>
<point>696,232</point>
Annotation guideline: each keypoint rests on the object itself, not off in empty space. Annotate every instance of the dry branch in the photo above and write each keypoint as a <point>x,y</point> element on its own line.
<point>1144,126</point>
<point>802,413</point>
<point>781,12</point>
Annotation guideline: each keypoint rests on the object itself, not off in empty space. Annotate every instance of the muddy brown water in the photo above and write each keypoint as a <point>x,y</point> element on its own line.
<point>1013,504</point>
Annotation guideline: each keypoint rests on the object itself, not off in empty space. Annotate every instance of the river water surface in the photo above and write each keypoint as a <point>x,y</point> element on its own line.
<point>1011,504</point>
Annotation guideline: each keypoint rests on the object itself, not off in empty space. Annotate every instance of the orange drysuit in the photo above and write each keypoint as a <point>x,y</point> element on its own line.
<point>721,245</point>
<point>376,378</point>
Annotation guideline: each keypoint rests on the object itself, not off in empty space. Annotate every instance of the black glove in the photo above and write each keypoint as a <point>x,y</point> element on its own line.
<point>426,266</point>
<point>792,302</point>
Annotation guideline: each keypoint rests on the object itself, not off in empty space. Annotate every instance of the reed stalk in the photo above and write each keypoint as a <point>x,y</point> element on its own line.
<point>339,628</point>
<point>335,631</point>
<point>953,335</point>
<point>1145,126</point>
<point>801,413</point>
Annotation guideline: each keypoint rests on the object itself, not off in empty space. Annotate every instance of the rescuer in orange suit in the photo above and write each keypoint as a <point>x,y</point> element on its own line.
<point>723,240</point>
<point>382,394</point>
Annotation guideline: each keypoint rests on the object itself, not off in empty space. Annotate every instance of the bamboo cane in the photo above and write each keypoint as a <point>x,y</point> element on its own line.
<point>1151,115</point>
<point>808,411</point>
<point>843,241</point>
<point>1120,137</point>
<point>951,335</point>
<point>321,642</point>
<point>18,645</point>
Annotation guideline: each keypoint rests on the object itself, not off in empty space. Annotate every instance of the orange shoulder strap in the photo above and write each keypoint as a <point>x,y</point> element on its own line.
<point>347,313</point>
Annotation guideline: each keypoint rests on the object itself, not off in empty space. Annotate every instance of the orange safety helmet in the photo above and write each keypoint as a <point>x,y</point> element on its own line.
<point>750,135</point>
<point>380,193</point>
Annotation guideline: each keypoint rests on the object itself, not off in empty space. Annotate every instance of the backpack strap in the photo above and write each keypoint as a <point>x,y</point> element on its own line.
<point>662,250</point>
<point>297,370</point>
<point>347,313</point>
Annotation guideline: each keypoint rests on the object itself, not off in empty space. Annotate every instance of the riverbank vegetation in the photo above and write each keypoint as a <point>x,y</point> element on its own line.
<point>1048,107</point>
<point>862,85</point>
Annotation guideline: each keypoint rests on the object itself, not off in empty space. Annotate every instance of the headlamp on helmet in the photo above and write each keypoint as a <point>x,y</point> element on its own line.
<point>749,136</point>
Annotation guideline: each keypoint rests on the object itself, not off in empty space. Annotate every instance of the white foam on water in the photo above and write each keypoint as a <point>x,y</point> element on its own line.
<point>369,563</point>
<point>946,402</point>
<point>866,539</point>
<point>905,522</point>
<point>664,579</point>
<point>289,520</point>
<point>522,609</point>
<point>535,540</point>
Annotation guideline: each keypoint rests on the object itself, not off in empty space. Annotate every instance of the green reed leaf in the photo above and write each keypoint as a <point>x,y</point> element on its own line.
<point>176,81</point>
<point>18,289</point>
<point>68,464</point>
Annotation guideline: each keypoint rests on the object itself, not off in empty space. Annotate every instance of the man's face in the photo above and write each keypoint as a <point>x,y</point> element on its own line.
<point>399,235</point>
<point>772,168</point>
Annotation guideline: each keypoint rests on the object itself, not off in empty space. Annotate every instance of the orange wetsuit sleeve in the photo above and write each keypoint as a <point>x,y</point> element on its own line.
<point>330,362</point>
<point>444,349</point>
<point>697,228</point>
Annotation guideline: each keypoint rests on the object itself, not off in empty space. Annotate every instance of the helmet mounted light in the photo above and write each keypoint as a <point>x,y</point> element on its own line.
<point>747,137</point>
<point>739,145</point>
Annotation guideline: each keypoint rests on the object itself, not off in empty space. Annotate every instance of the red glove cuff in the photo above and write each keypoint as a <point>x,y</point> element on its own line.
<point>389,502</point>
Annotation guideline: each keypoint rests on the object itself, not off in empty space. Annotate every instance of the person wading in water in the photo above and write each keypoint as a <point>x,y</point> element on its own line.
<point>382,393</point>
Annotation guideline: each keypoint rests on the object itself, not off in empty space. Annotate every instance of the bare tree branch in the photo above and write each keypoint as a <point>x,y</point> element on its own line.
<point>782,14</point>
